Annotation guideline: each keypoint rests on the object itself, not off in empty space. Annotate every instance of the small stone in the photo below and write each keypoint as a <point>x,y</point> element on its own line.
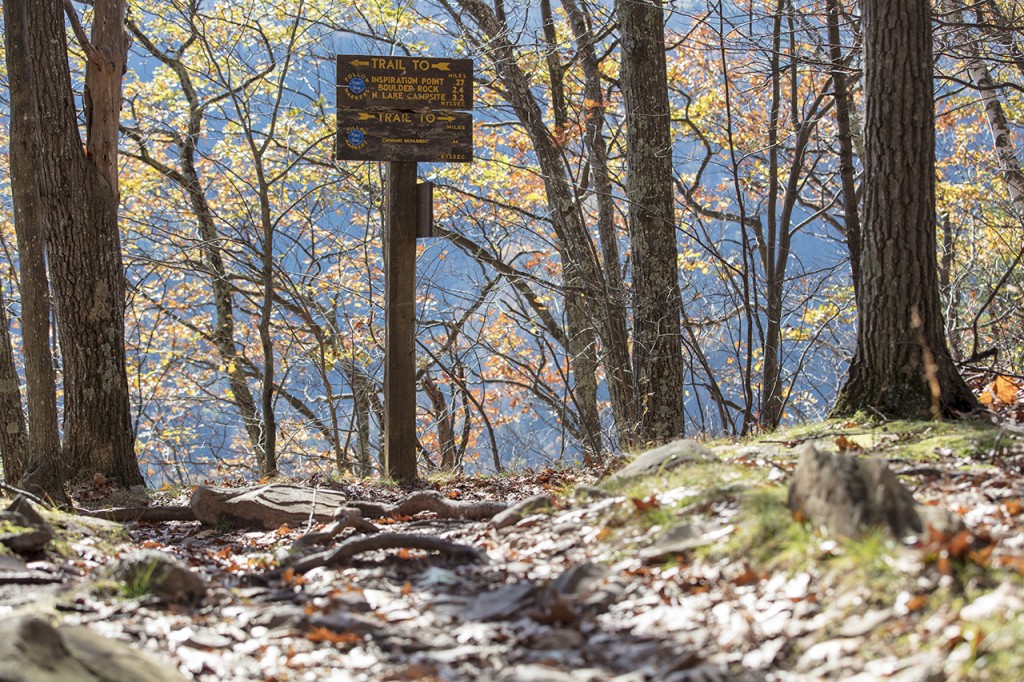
<point>681,538</point>
<point>30,533</point>
<point>589,493</point>
<point>161,575</point>
<point>280,616</point>
<point>589,586</point>
<point>940,519</point>
<point>207,639</point>
<point>501,603</point>
<point>580,579</point>
<point>521,509</point>
<point>558,638</point>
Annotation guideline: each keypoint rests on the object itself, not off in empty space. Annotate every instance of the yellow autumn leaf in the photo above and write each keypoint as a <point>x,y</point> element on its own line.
<point>1004,389</point>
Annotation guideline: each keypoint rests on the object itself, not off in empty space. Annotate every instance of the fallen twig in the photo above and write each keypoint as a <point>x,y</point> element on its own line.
<point>18,491</point>
<point>154,514</point>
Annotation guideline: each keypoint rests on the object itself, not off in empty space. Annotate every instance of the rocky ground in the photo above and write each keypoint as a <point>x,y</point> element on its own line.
<point>695,570</point>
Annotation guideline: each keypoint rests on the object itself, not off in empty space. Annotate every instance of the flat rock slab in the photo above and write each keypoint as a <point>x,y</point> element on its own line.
<point>847,495</point>
<point>266,506</point>
<point>665,458</point>
<point>32,650</point>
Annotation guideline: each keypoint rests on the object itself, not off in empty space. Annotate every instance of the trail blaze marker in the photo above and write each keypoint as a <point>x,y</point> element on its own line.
<point>403,110</point>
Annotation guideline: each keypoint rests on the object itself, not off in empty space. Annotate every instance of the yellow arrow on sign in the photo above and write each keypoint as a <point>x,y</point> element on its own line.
<point>445,118</point>
<point>359,62</point>
<point>442,66</point>
<point>363,116</point>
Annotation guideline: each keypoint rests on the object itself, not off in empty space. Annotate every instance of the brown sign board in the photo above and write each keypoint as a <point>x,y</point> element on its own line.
<point>420,83</point>
<point>404,136</point>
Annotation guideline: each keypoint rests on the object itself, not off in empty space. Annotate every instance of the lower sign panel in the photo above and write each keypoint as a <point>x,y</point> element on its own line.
<point>404,136</point>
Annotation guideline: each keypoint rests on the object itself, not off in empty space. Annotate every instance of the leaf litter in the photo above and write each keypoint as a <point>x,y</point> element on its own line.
<point>598,586</point>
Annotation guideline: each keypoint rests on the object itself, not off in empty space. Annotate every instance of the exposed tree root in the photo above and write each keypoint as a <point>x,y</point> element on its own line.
<point>431,501</point>
<point>341,554</point>
<point>344,517</point>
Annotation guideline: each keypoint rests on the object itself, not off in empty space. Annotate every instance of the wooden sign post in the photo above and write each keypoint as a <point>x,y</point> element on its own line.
<point>403,110</point>
<point>400,322</point>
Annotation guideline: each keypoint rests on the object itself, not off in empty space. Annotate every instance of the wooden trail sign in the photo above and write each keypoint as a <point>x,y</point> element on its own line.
<point>417,83</point>
<point>403,110</point>
<point>404,136</point>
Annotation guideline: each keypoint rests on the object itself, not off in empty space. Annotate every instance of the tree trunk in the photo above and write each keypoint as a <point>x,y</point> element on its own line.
<point>1002,137</point>
<point>618,367</point>
<point>13,438</point>
<point>657,303</point>
<point>844,135</point>
<point>902,366</point>
<point>268,463</point>
<point>443,422</point>
<point>42,467</point>
<point>79,195</point>
<point>363,392</point>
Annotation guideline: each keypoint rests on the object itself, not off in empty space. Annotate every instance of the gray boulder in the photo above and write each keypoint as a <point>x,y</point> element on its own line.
<point>664,458</point>
<point>848,495</point>
<point>521,509</point>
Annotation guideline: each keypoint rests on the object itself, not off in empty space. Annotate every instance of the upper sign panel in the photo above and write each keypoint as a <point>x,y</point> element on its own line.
<point>417,83</point>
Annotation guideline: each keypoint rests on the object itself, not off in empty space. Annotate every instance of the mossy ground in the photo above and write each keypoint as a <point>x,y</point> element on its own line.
<point>921,583</point>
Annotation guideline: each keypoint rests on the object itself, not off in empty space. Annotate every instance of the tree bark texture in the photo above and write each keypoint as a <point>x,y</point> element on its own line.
<point>844,135</point>
<point>657,303</point>
<point>618,366</point>
<point>444,422</point>
<point>80,208</point>
<point>13,437</point>
<point>41,465</point>
<point>902,366</point>
<point>104,68</point>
